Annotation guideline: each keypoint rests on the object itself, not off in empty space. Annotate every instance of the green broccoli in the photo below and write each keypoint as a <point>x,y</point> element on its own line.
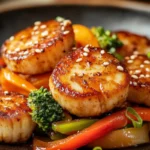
<point>108,41</point>
<point>45,110</point>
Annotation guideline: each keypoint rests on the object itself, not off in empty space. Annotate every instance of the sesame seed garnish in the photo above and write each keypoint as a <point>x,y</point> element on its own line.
<point>130,61</point>
<point>141,66</point>
<point>29,43</point>
<point>130,72</point>
<point>133,56</point>
<point>79,59</point>
<point>102,52</point>
<point>36,32</point>
<point>137,71</point>
<point>6,92</point>
<point>135,83</point>
<point>85,54</point>
<point>66,22</point>
<point>146,62</point>
<point>130,82</point>
<point>26,52</point>
<point>36,42</point>
<point>141,76</point>
<point>86,49</point>
<point>65,32</point>
<point>62,28</point>
<point>143,85</point>
<point>45,33</point>
<point>120,68</point>
<point>11,38</point>
<point>43,26</point>
<point>74,48</point>
<point>134,76</point>
<point>135,52</point>
<point>106,63</point>
<point>147,69</point>
<point>35,28</point>
<point>38,50</point>
<point>37,23</point>
<point>80,75</point>
<point>17,49</point>
<point>147,75</point>
<point>88,64</point>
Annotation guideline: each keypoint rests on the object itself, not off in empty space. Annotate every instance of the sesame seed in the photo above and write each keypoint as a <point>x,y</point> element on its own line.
<point>65,32</point>
<point>130,72</point>
<point>79,59</point>
<point>146,62</point>
<point>85,54</point>
<point>35,28</point>
<point>134,76</point>
<point>43,26</point>
<point>147,69</point>
<point>141,66</point>
<point>86,49</point>
<point>130,61</point>
<point>17,49</point>
<point>87,45</point>
<point>29,43</point>
<point>106,63</point>
<point>45,33</point>
<point>11,38</point>
<point>26,52</point>
<point>141,76</point>
<point>62,28</point>
<point>120,68</point>
<point>102,52</point>
<point>15,58</point>
<point>130,82</point>
<point>80,75</point>
<point>88,64</point>
<point>66,22</point>
<point>135,83</point>
<point>135,52</point>
<point>36,32</point>
<point>133,56</point>
<point>37,23</point>
<point>143,85</point>
<point>38,50</point>
<point>6,92</point>
<point>74,48</point>
<point>147,75</point>
<point>137,71</point>
<point>36,42</point>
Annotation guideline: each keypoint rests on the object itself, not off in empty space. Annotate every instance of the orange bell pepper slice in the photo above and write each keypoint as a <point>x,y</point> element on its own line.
<point>41,80</point>
<point>95,131</point>
<point>84,36</point>
<point>14,83</point>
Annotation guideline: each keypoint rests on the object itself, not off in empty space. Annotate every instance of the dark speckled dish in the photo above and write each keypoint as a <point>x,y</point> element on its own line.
<point>114,18</point>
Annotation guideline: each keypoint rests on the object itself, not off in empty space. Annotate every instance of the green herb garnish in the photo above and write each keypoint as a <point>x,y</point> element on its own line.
<point>97,148</point>
<point>107,40</point>
<point>136,123</point>
<point>148,55</point>
<point>59,19</point>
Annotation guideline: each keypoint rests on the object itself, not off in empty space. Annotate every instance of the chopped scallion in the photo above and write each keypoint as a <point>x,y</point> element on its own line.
<point>97,148</point>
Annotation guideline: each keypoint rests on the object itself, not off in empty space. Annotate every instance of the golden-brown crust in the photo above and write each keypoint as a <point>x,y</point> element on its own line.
<point>36,45</point>
<point>16,124</point>
<point>133,43</point>
<point>85,77</point>
<point>139,70</point>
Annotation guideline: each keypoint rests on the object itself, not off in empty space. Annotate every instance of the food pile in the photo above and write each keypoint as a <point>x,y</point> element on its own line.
<point>76,85</point>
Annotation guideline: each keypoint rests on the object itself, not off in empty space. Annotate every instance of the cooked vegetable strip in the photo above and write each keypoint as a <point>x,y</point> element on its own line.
<point>123,138</point>
<point>148,55</point>
<point>14,83</point>
<point>108,41</point>
<point>95,131</point>
<point>70,127</point>
<point>84,36</point>
<point>45,110</point>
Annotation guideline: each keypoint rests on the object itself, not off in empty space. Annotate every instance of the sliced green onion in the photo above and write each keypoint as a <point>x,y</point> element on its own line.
<point>97,148</point>
<point>136,123</point>
<point>148,55</point>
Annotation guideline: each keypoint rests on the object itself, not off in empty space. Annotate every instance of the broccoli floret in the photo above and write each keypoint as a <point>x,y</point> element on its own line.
<point>45,109</point>
<point>108,41</point>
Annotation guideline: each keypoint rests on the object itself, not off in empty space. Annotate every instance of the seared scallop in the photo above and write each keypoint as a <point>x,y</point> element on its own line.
<point>16,124</point>
<point>89,82</point>
<point>139,70</point>
<point>133,43</point>
<point>37,49</point>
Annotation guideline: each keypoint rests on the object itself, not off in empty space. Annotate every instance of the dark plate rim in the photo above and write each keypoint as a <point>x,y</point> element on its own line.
<point>132,5</point>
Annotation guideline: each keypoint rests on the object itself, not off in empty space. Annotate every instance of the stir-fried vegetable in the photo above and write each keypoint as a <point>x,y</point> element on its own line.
<point>148,55</point>
<point>14,83</point>
<point>95,131</point>
<point>84,36</point>
<point>45,110</point>
<point>70,127</point>
<point>107,40</point>
<point>123,138</point>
